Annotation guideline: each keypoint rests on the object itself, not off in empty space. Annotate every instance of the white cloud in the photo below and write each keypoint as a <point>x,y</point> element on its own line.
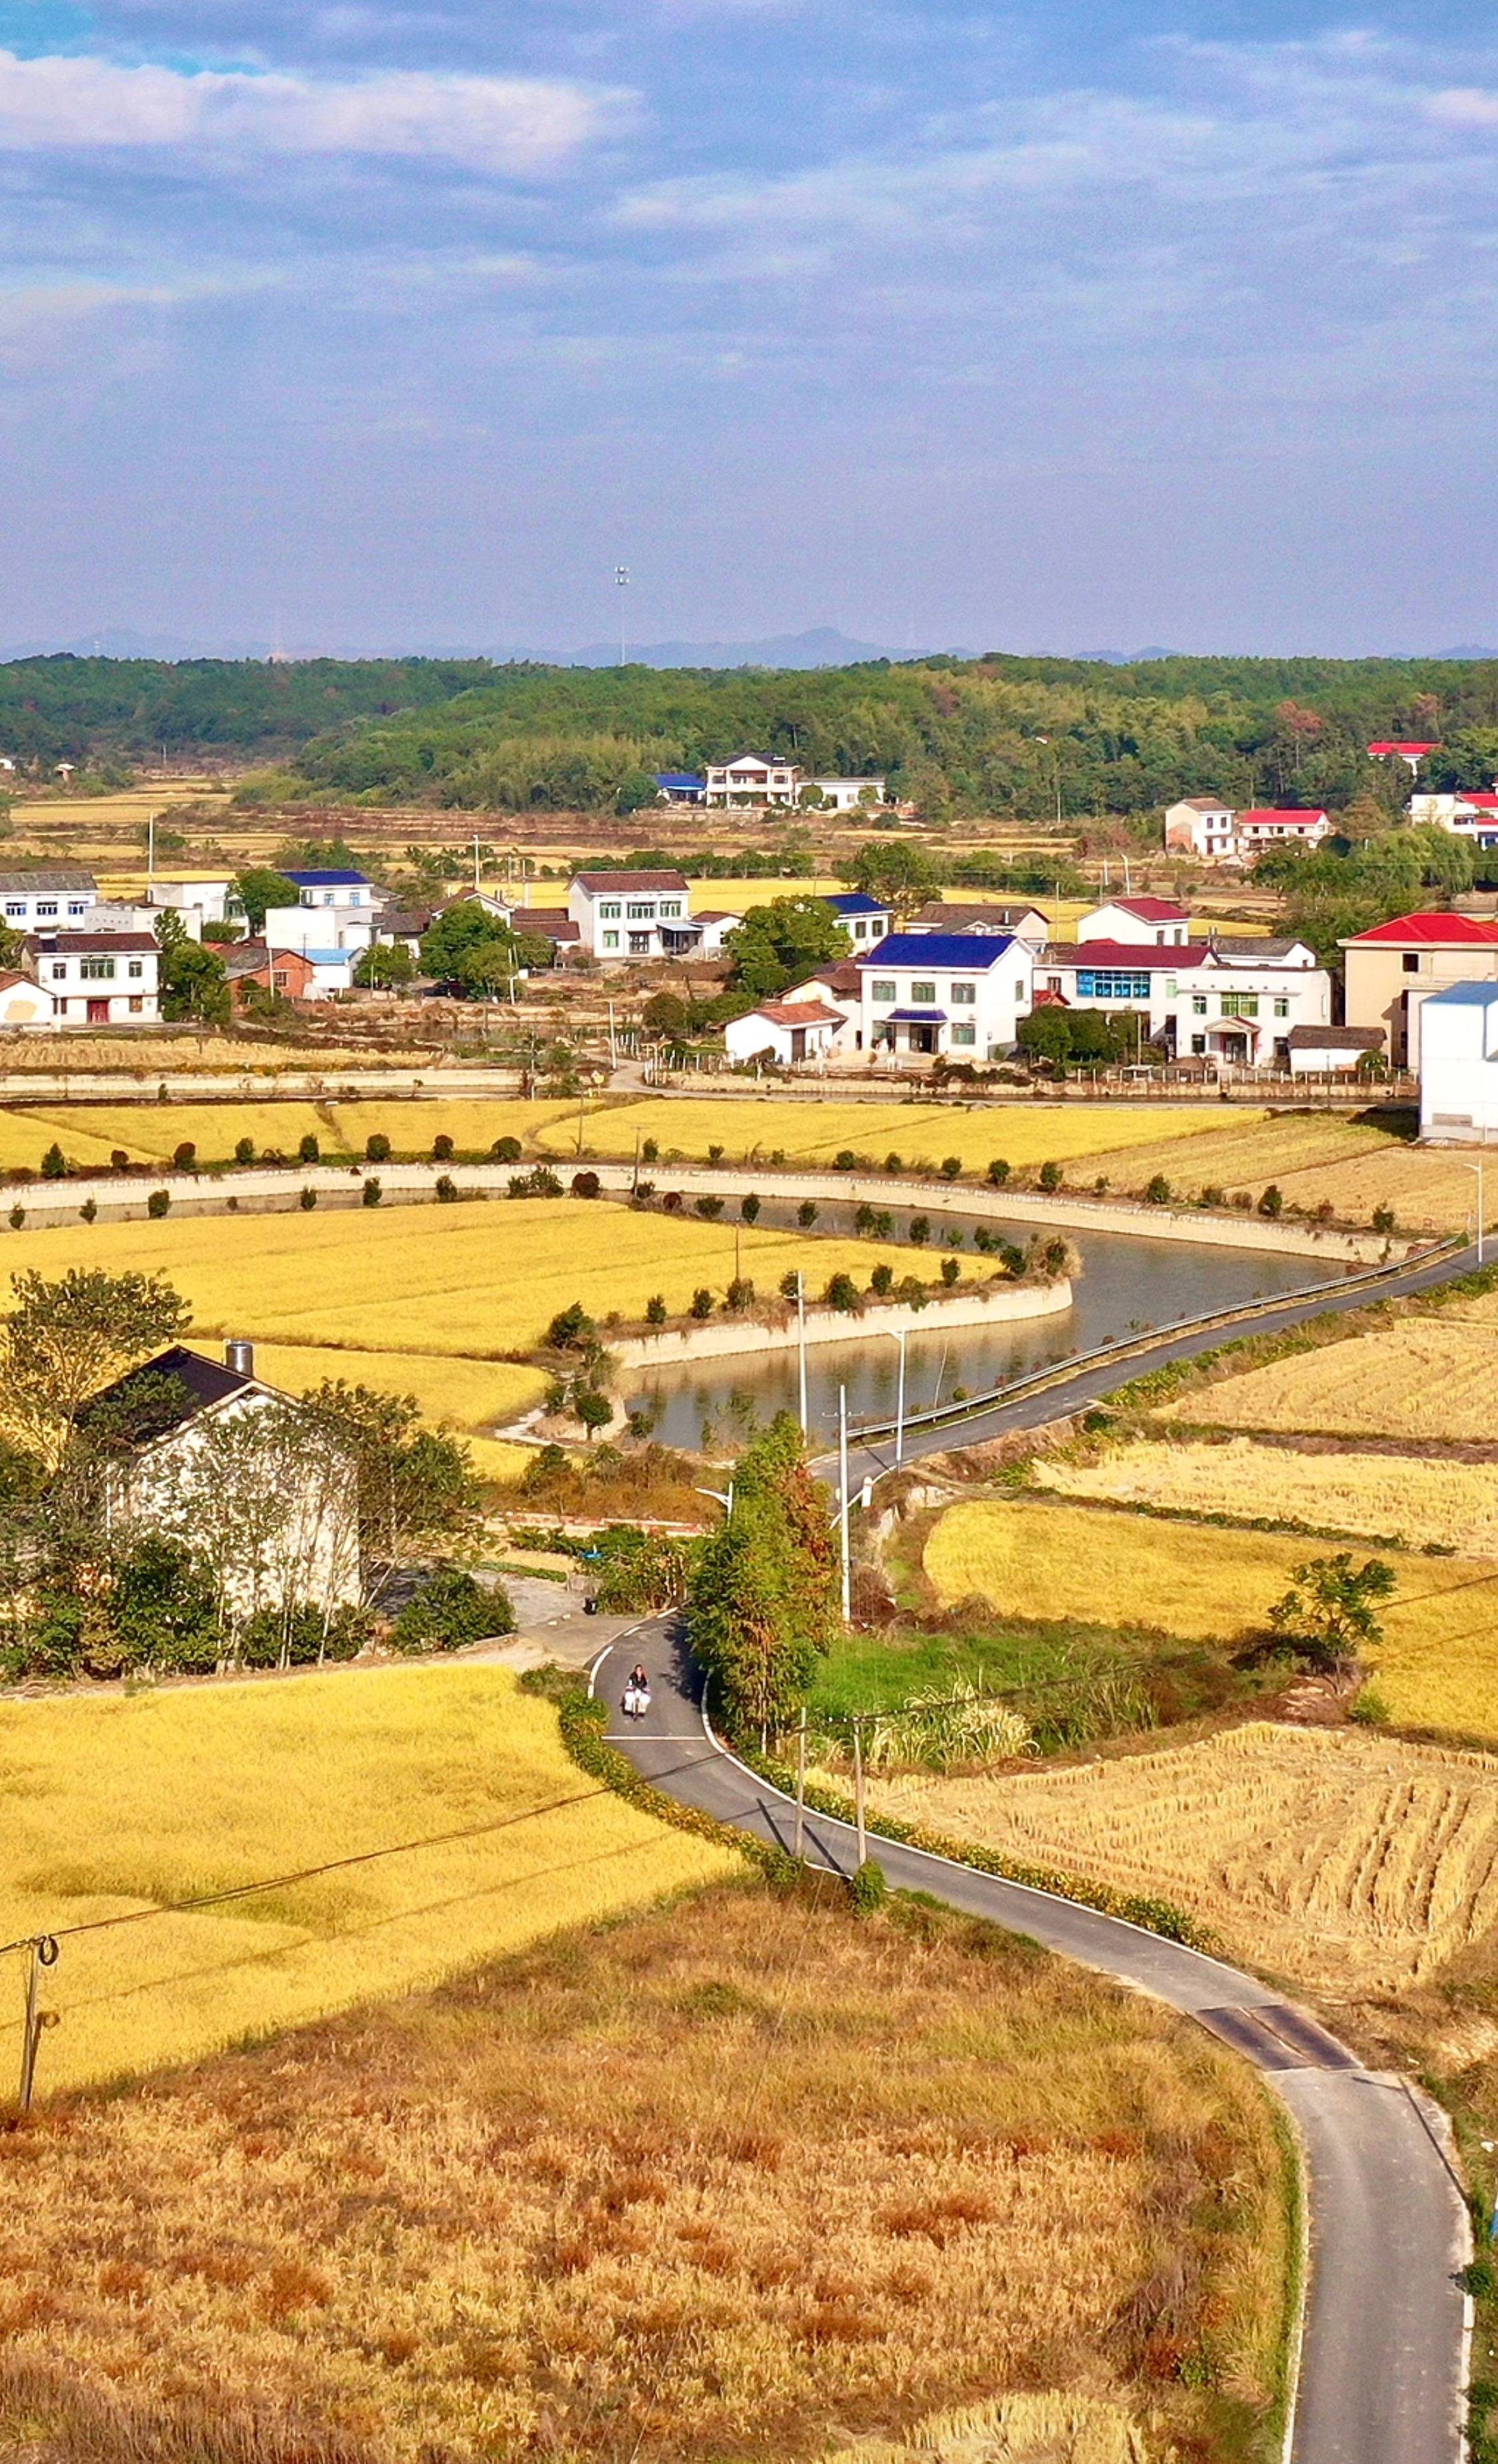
<point>487,124</point>
<point>1465,106</point>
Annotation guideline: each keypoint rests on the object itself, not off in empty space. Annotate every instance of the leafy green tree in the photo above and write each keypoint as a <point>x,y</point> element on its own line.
<point>896,871</point>
<point>449,1610</point>
<point>1332,1606</point>
<point>782,942</point>
<point>68,1337</point>
<point>260,887</point>
<point>414,1488</point>
<point>193,983</point>
<point>384,966</point>
<point>164,1607</point>
<point>761,1604</point>
<point>470,950</point>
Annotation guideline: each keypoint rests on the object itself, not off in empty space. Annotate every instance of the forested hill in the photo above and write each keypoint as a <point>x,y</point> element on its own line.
<point>68,709</point>
<point>995,734</point>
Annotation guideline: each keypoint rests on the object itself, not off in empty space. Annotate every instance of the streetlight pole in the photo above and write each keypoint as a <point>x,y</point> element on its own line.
<point>801,1340</point>
<point>899,1403</point>
<point>622,585</point>
<point>841,1511</point>
<point>1478,1169</point>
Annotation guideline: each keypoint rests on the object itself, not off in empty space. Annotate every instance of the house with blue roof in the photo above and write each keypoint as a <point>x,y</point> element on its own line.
<point>681,786</point>
<point>337,908</point>
<point>944,996</point>
<point>863,919</point>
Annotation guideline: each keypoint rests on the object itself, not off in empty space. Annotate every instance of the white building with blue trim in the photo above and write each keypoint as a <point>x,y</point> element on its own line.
<point>935,995</point>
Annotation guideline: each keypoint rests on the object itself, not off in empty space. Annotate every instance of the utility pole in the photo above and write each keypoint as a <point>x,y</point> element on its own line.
<point>475,865</point>
<point>801,1339</point>
<point>44,1954</point>
<point>841,1511</point>
<point>898,1336</point>
<point>613,1047</point>
<point>622,585</point>
<point>801,1786</point>
<point>858,1788</point>
<point>150,857</point>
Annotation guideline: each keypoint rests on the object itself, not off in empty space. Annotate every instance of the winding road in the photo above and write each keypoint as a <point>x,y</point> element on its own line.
<point>1381,2368</point>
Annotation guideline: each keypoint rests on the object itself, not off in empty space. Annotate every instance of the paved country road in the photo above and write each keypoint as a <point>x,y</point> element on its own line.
<point>1381,2377</point>
<point>1091,1384</point>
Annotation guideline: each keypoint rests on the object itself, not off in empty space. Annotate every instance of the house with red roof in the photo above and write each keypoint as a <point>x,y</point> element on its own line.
<point>1393,969</point>
<point>784,1032</point>
<point>1154,923</point>
<point>1266,825</point>
<point>1390,748</point>
<point>1469,812</point>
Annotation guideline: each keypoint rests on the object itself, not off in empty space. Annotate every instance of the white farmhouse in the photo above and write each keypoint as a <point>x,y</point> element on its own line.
<point>1157,922</point>
<point>208,896</point>
<point>944,994</point>
<point>335,910</point>
<point>752,779</point>
<point>23,1001</point>
<point>1119,975</point>
<point>99,979</point>
<point>1202,826</point>
<point>863,919</point>
<point>847,794</point>
<point>1458,1063</point>
<point>1266,825</point>
<point>1468,812</point>
<point>46,897</point>
<point>786,1032</point>
<point>1247,999</point>
<point>624,916</point>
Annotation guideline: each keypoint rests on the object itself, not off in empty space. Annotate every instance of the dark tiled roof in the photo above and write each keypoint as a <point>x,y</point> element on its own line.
<point>1335,1039</point>
<point>204,1382</point>
<point>66,944</point>
<point>46,877</point>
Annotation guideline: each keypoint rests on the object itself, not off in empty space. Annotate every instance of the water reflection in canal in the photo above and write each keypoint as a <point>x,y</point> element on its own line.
<point>1126,1285</point>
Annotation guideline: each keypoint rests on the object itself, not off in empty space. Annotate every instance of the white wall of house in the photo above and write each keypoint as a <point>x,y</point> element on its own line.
<point>1265,827</point>
<point>846,795</point>
<point>1240,1014</point>
<point>631,918</point>
<point>753,779</point>
<point>113,980</point>
<point>209,895</point>
<point>786,1040</point>
<point>25,1005</point>
<point>54,904</point>
<point>1198,826</point>
<point>326,927</point>
<point>1117,920</point>
<point>1459,1065</point>
<point>1144,987</point>
<point>967,994</point>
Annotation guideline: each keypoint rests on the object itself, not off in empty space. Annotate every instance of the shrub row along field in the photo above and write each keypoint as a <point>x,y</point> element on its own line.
<point>1430,1378</point>
<point>753,1129</point>
<point>110,1805</point>
<point>90,1133</point>
<point>476,1281</point>
<point>1437,1665</point>
<point>1406,1498</point>
<point>742,2178</point>
<point>1351,1863</point>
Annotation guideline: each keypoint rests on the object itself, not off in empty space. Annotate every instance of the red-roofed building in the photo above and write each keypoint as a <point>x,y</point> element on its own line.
<point>1393,968</point>
<point>1157,922</point>
<point>1265,826</point>
<point>783,1032</point>
<point>1391,749</point>
<point>1468,812</point>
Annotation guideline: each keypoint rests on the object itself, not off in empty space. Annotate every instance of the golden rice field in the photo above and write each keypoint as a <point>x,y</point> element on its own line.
<point>453,1392</point>
<point>1421,1377</point>
<point>1352,1164</point>
<point>89,1133</point>
<point>735,2179</point>
<point>113,1804</point>
<point>480,1281</point>
<point>753,1129</point>
<point>1350,1861</point>
<point>1412,1499</point>
<point>1436,1668</point>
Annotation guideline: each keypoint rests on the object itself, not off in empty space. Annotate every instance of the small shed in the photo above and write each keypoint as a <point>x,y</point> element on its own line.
<point>784,1032</point>
<point>1315,1049</point>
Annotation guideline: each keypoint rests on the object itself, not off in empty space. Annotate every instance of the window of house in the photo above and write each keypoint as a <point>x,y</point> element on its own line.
<point>610,940</point>
<point>1410,963</point>
<point>963,994</point>
<point>46,907</point>
<point>642,911</point>
<point>964,1033</point>
<point>76,907</point>
<point>136,970</point>
<point>670,907</point>
<point>1281,1008</point>
<point>882,988</point>
<point>59,971</point>
<point>1199,1005</point>
<point>922,993</point>
<point>137,1004</point>
<point>1240,1004</point>
<point>1053,984</point>
<point>1111,985</point>
<point>610,908</point>
<point>1198,1043</point>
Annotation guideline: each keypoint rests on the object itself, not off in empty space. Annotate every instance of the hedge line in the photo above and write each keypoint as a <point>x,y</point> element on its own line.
<point>584,1720</point>
<point>1155,1915</point>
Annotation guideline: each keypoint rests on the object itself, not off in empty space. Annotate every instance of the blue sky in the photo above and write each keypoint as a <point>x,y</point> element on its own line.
<point>1052,327</point>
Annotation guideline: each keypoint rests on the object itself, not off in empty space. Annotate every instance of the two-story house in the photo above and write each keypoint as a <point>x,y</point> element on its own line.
<point>624,916</point>
<point>753,779</point>
<point>336,909</point>
<point>1202,826</point>
<point>1245,1000</point>
<point>955,995</point>
<point>99,979</point>
<point>1392,969</point>
<point>47,898</point>
<point>1266,825</point>
<point>863,919</point>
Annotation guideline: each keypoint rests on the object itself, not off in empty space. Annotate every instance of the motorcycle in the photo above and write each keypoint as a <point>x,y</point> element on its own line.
<point>636,1702</point>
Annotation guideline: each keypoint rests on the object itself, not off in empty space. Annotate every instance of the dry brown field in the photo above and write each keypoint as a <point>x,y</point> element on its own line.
<point>1353,1863</point>
<point>742,2178</point>
<point>1415,1501</point>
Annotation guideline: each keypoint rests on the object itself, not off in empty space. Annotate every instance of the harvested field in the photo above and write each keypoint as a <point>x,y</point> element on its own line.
<point>922,1133</point>
<point>144,1059</point>
<point>739,2179</point>
<point>1421,1377</point>
<point>1405,1498</point>
<point>478,1281</point>
<point>1352,1862</point>
<point>113,1804</point>
<point>1436,1668</point>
